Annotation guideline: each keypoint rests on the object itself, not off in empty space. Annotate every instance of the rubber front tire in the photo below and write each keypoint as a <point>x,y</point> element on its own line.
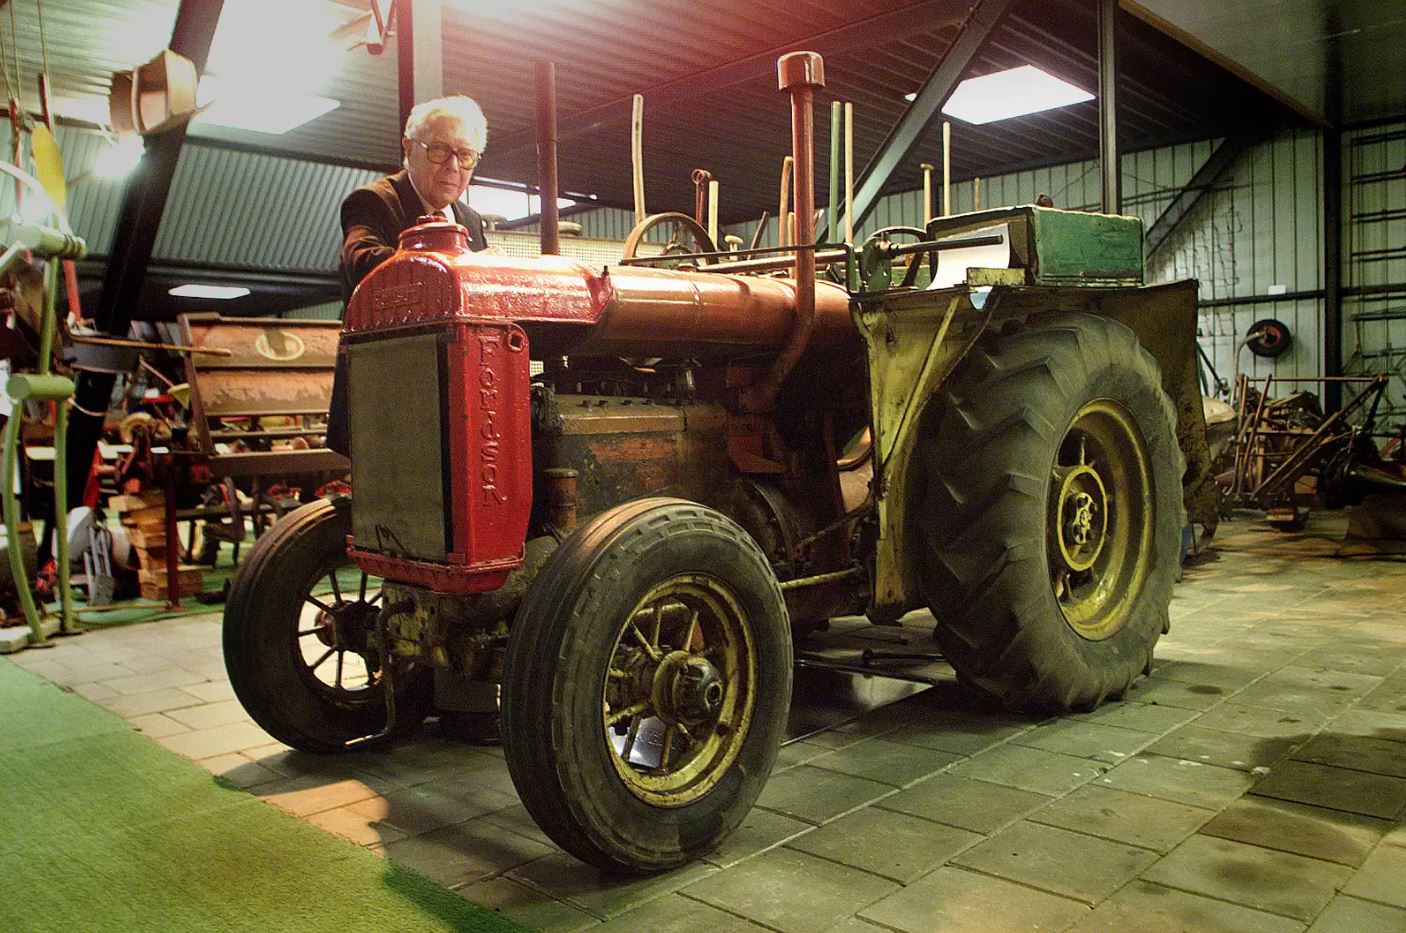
<point>1067,393</point>
<point>566,647</point>
<point>263,616</point>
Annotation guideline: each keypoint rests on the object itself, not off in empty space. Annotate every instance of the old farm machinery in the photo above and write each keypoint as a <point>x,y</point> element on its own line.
<point>627,541</point>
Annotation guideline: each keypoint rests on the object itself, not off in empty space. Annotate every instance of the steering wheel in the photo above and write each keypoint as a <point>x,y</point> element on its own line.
<point>685,235</point>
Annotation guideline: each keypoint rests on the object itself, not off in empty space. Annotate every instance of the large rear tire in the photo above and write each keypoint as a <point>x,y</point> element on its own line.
<point>1052,513</point>
<point>295,638</point>
<point>646,685</point>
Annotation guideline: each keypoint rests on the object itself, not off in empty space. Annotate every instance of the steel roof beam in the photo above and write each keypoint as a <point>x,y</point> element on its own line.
<point>1203,181</point>
<point>871,31</point>
<point>926,106</point>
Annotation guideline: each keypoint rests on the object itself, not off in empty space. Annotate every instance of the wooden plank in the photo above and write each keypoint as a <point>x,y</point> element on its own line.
<point>236,392</point>
<point>264,344</point>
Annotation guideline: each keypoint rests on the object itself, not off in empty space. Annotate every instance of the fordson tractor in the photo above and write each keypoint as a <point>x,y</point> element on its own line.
<point>710,460</point>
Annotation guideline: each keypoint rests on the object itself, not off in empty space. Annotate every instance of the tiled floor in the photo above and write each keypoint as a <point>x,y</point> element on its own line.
<point>1256,781</point>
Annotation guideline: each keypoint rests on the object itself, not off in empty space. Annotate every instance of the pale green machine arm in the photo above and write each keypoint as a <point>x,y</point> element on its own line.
<point>53,244</point>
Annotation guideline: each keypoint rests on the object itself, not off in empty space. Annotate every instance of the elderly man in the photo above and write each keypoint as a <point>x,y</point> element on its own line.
<point>443,141</point>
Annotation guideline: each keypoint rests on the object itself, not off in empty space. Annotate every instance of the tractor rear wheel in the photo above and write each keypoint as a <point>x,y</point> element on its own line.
<point>646,685</point>
<point>1052,506</point>
<point>295,637</point>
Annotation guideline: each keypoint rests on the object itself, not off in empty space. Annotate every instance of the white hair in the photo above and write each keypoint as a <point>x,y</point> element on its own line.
<point>464,109</point>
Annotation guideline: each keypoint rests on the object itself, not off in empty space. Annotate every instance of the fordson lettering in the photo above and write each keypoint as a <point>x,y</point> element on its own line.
<point>488,428</point>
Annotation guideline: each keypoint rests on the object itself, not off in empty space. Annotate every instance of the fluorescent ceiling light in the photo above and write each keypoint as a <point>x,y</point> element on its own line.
<point>118,159</point>
<point>911,96</point>
<point>218,292</point>
<point>1012,93</point>
<point>254,105</point>
<point>510,205</point>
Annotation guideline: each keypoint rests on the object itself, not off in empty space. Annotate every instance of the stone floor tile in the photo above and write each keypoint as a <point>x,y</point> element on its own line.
<point>304,796</point>
<point>678,914</point>
<point>759,831</point>
<point>1164,691</point>
<point>1376,724</point>
<point>885,843</point>
<point>1180,779</point>
<point>516,819</point>
<point>210,714</point>
<point>1382,877</point>
<point>527,907</point>
<point>157,725</point>
<point>1070,864</point>
<point>1136,819</point>
<point>1032,769</point>
<point>1356,752</point>
<point>887,762</point>
<point>1301,688</point>
<point>153,701</point>
<point>153,680</point>
<point>1109,744</point>
<point>212,691</point>
<point>958,731</point>
<point>94,691</point>
<point>816,795</point>
<point>1237,750</point>
<point>799,753</point>
<point>355,827</point>
<point>1142,907</point>
<point>217,740</point>
<point>854,925</point>
<point>465,852</point>
<point>238,771</point>
<point>1335,788</point>
<point>979,806</point>
<point>790,891</point>
<point>952,900</point>
<point>1144,717</point>
<point>1263,879</point>
<point>600,894</point>
<point>417,810</point>
<point>1351,915</point>
<point>1264,722</point>
<point>1331,835</point>
<point>1205,670</point>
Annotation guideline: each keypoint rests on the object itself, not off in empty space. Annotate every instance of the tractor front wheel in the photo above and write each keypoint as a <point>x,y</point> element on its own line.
<point>1052,507</point>
<point>646,685</point>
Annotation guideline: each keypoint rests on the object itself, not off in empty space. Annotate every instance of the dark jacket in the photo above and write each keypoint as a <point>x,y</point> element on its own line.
<point>375,215</point>
<point>373,218</point>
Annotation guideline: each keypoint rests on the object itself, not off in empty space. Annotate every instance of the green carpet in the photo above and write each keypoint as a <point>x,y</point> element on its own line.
<point>102,829</point>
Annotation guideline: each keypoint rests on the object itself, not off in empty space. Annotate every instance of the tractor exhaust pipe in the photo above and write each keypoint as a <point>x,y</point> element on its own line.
<point>547,157</point>
<point>799,73</point>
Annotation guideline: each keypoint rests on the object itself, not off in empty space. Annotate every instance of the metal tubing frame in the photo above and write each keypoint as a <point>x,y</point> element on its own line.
<point>898,145</point>
<point>1109,166</point>
<point>1332,269</point>
<point>547,157</point>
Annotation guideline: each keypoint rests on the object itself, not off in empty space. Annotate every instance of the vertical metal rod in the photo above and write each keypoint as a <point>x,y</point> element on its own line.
<point>1108,107</point>
<point>713,211</point>
<point>849,172</point>
<point>976,194</point>
<point>637,154</point>
<point>1332,268</point>
<point>927,168</point>
<point>787,164</point>
<point>946,169</point>
<point>832,216</point>
<point>12,526</point>
<point>547,156</point>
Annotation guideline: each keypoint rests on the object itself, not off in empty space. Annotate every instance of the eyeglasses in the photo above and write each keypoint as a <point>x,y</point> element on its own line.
<point>439,153</point>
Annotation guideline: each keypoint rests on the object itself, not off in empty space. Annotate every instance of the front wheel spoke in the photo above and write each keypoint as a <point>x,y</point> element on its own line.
<point>320,604</point>
<point>628,712</point>
<point>311,631</point>
<point>658,623</point>
<point>341,656</point>
<point>668,748</point>
<point>318,663</point>
<point>376,599</point>
<point>692,631</point>
<point>336,587</point>
<point>361,590</point>
<point>630,738</point>
<point>683,731</point>
<point>649,649</point>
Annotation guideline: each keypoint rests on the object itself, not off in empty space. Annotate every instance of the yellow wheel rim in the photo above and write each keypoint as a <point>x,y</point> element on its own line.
<point>1100,519</point>
<point>680,690</point>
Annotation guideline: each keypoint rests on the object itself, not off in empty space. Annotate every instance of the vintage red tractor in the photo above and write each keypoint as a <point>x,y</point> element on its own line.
<point>709,461</point>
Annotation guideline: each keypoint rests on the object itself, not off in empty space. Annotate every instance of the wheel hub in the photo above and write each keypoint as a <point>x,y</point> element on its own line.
<point>687,689</point>
<point>1082,517</point>
<point>345,627</point>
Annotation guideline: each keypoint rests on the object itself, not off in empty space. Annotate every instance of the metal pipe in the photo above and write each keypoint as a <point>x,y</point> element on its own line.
<point>547,157</point>
<point>799,73</point>
<point>927,168</point>
<point>849,172</point>
<point>1108,107</point>
<point>782,211</point>
<point>637,155</point>
<point>946,169</point>
<point>713,211</point>
<point>832,216</point>
<point>976,194</point>
<point>701,177</point>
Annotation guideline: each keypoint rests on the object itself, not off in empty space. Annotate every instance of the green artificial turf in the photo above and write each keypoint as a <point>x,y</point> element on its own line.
<point>102,829</point>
